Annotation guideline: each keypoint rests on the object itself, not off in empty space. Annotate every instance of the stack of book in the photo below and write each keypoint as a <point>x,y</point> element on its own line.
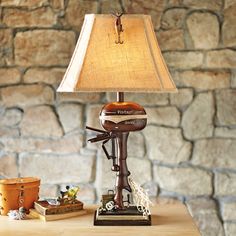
<point>46,212</point>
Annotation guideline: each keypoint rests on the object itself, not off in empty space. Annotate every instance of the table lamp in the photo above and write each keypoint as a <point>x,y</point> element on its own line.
<point>119,53</point>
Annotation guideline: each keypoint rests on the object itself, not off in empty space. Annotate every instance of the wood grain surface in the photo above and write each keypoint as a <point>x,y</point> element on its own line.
<point>168,219</point>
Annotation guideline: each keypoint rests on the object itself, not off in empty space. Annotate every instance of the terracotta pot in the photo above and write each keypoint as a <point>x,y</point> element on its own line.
<point>18,192</point>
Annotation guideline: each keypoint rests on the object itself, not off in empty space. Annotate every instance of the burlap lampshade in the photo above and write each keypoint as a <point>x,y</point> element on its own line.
<point>100,64</point>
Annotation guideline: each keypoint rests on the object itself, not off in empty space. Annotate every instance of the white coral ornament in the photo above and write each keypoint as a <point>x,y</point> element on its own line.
<point>140,197</point>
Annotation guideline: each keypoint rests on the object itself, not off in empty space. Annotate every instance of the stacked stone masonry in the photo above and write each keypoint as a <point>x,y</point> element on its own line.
<point>188,149</point>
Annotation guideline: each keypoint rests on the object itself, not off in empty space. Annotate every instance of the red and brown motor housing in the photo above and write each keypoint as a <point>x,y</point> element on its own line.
<point>123,117</point>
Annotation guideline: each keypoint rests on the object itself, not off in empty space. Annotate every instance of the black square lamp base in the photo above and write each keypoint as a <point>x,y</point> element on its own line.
<point>128,217</point>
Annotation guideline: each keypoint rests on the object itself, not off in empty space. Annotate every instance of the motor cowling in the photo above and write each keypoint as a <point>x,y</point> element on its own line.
<point>123,117</point>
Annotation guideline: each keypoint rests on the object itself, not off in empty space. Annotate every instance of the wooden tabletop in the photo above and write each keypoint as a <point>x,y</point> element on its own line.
<point>167,220</point>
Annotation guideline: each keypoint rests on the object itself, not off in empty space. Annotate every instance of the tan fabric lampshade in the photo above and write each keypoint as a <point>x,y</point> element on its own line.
<point>99,64</point>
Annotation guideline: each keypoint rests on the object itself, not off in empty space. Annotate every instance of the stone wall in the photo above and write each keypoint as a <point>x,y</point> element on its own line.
<point>187,151</point>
